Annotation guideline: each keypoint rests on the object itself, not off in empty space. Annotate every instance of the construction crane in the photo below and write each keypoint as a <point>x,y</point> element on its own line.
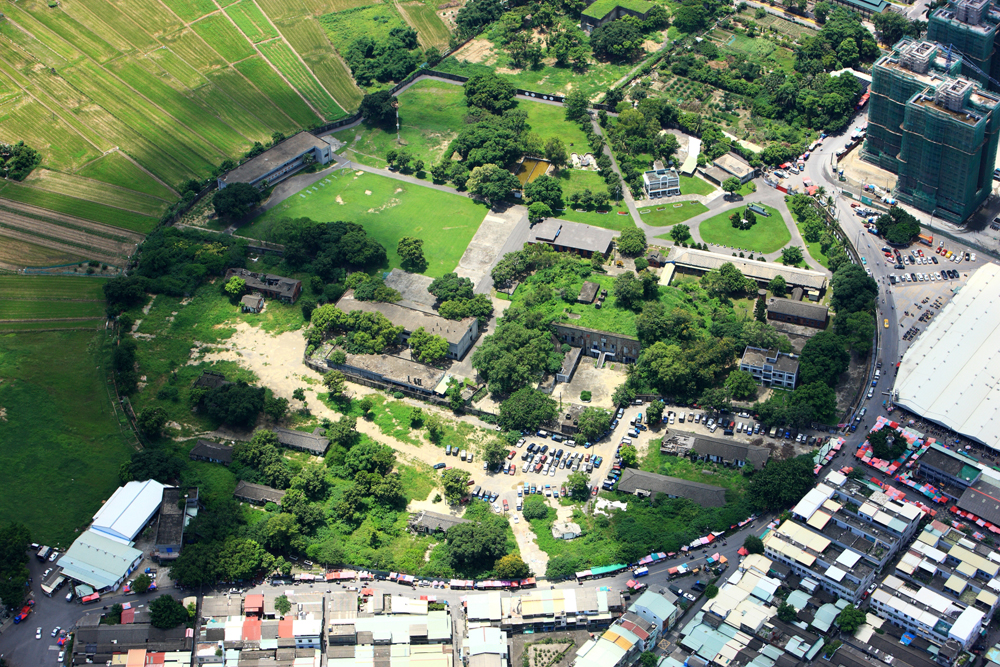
<point>966,62</point>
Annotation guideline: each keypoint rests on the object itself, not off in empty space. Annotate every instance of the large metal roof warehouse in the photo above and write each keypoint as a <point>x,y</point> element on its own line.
<point>128,510</point>
<point>99,561</point>
<point>950,374</point>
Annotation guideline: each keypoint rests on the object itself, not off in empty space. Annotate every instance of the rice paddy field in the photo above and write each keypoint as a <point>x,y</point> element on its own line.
<point>128,100</point>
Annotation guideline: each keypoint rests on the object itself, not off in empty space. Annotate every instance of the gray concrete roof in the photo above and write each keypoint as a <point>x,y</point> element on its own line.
<point>572,235</point>
<point>274,157</point>
<point>809,311</point>
<point>705,495</point>
<point>451,330</point>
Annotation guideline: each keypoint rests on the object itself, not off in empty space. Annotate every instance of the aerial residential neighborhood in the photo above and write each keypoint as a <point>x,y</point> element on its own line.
<point>621,333</point>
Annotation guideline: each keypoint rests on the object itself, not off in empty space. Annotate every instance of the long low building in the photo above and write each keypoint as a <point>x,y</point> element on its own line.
<point>302,441</point>
<point>128,510</point>
<point>460,334</point>
<point>278,163</point>
<point>643,483</point>
<point>701,262</point>
<point>948,374</point>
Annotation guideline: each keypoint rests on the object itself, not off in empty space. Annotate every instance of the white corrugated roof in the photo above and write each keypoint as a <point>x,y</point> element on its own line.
<point>97,560</point>
<point>128,510</point>
<point>950,373</point>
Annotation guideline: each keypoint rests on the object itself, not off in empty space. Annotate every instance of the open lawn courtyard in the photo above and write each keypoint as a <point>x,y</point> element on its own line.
<point>768,235</point>
<point>574,181</point>
<point>388,210</point>
<point>666,213</point>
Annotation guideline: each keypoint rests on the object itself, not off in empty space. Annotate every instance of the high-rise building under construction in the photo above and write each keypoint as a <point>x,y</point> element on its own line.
<point>969,27</point>
<point>934,128</point>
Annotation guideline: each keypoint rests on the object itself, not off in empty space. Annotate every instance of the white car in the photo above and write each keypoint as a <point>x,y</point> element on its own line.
<point>56,630</point>
<point>517,519</point>
<point>62,656</point>
<point>552,472</point>
<point>38,632</point>
<point>520,443</point>
<point>524,468</point>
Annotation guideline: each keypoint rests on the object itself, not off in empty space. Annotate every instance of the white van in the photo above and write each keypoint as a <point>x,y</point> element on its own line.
<point>878,373</point>
<point>626,441</point>
<point>711,429</point>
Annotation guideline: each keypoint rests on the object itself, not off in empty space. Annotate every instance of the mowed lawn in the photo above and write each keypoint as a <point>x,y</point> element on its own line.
<point>392,210</point>
<point>62,443</point>
<point>666,213</point>
<point>616,218</point>
<point>768,235</point>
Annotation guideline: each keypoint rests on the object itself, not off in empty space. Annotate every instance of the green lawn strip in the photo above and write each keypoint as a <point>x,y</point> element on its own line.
<point>59,416</point>
<point>815,249</point>
<point>394,209</point>
<point>429,26</point>
<point>51,287</point>
<point>116,169</point>
<point>671,213</point>
<point>87,210</point>
<point>35,325</point>
<point>692,185</point>
<point>616,219</point>
<point>18,309</point>
<point>259,72</point>
<point>768,235</point>
<point>214,481</point>
<point>222,36</point>
<point>747,189</point>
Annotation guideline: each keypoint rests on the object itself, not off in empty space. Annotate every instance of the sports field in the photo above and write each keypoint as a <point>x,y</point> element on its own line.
<point>388,209</point>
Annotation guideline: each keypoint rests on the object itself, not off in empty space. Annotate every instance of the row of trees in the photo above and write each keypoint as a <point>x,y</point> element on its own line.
<point>817,229</point>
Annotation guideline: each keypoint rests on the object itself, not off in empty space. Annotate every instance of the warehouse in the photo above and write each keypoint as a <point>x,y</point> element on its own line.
<point>700,262</point>
<point>948,375</point>
<point>99,561</point>
<point>128,510</point>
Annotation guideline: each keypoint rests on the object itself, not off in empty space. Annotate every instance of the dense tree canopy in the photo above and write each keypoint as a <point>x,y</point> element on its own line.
<point>519,351</point>
<point>450,287</point>
<point>14,541</point>
<point>165,612</point>
<point>18,160</point>
<point>897,226</point>
<point>823,359</point>
<point>853,290</point>
<point>781,483</point>
<point>236,404</point>
<point>477,543</point>
<point>427,347</point>
<point>490,92</point>
<point>236,200</point>
<point>383,59</point>
<point>362,332</point>
<point>378,108</point>
<point>327,249</point>
<point>526,410</point>
<point>619,40</point>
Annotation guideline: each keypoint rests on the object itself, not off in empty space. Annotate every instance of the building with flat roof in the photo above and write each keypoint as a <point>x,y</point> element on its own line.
<point>614,347</point>
<point>982,499</point>
<point>257,494</point>
<point>923,114</point>
<point>700,262</point>
<point>544,610</point>
<point>926,613</point>
<point>575,237</point>
<point>128,510</point>
<point>798,312</point>
<point>486,647</point>
<point>857,516</point>
<point>384,369</point>
<point>771,368</point>
<point>460,334</point>
<point>99,561</point>
<point>661,183</point>
<point>588,292</point>
<point>947,375</point>
<point>304,442</point>
<point>843,572</point>
<point>620,644</point>
<point>951,471</point>
<point>213,452</point>
<point>864,7</point>
<point>641,483</point>
<point>946,561</point>
<point>286,290</point>
<point>179,506</point>
<point>276,164</point>
<point>970,27</point>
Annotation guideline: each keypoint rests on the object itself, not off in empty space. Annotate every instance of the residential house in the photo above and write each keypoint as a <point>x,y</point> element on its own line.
<point>212,452</point>
<point>252,303</point>
<point>286,290</point>
<point>771,368</point>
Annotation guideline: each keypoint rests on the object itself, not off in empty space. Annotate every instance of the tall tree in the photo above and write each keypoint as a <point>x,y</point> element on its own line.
<point>526,410</point>
<point>379,108</point>
<point>491,92</point>
<point>492,183</point>
<point>411,252</point>
<point>427,347</point>
<point>235,201</point>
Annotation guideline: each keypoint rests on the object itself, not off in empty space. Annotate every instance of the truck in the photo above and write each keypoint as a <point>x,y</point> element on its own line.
<point>640,572</point>
<point>926,239</point>
<point>93,597</point>
<point>25,610</point>
<point>43,553</point>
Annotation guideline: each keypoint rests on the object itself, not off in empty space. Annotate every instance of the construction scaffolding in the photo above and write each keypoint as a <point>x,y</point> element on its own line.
<point>934,128</point>
<point>970,26</point>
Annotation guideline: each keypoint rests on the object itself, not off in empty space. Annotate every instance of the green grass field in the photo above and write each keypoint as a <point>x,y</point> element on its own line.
<point>692,185</point>
<point>68,444</point>
<point>768,235</point>
<point>671,213</point>
<point>95,191</point>
<point>222,36</point>
<point>78,207</point>
<point>578,180</point>
<point>54,405</point>
<point>430,115</point>
<point>444,221</point>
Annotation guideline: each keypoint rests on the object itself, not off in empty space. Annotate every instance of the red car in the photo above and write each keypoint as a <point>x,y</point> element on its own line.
<point>512,454</point>
<point>505,507</point>
<point>593,492</point>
